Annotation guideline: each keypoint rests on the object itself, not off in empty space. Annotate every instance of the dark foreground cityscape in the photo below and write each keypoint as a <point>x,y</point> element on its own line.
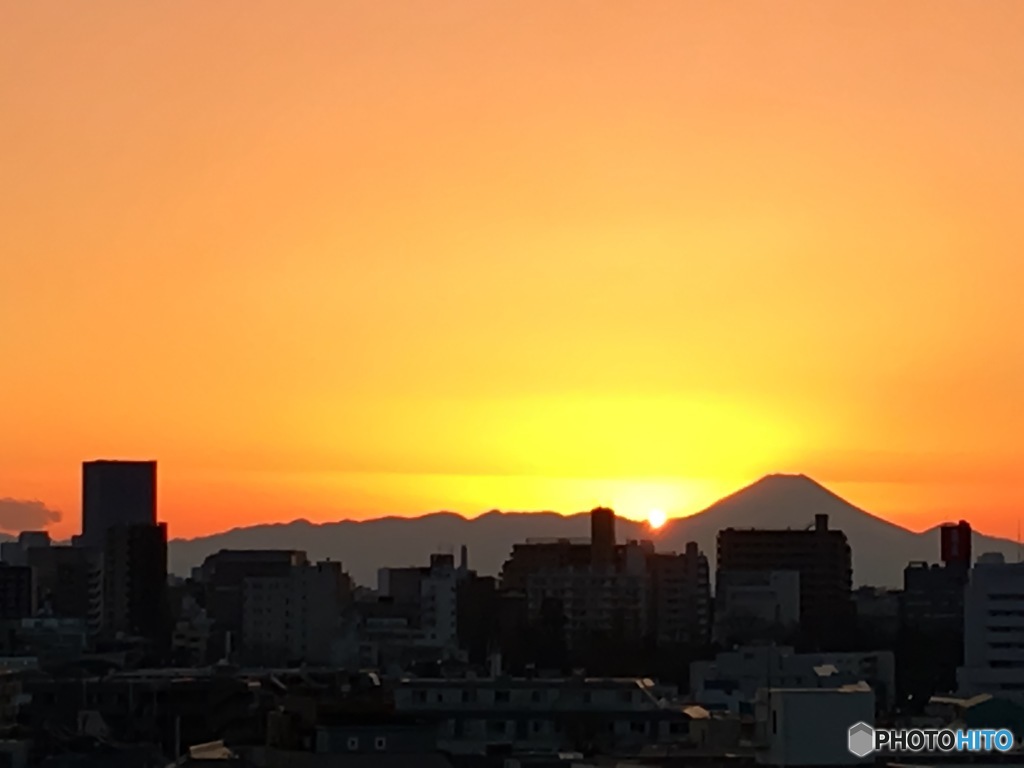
<point>580,653</point>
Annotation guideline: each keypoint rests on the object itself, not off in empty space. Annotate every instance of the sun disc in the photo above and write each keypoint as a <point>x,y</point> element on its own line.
<point>656,518</point>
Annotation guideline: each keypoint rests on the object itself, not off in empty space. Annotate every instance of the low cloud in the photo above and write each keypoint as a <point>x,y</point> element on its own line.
<point>18,515</point>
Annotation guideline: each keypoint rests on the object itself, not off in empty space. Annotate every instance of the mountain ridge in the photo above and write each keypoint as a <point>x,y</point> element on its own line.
<point>881,548</point>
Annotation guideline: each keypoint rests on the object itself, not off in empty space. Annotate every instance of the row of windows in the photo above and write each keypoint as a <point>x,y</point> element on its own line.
<point>469,696</point>
<point>502,727</point>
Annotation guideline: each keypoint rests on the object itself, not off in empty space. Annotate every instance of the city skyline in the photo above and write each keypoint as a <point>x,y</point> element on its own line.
<point>369,261</point>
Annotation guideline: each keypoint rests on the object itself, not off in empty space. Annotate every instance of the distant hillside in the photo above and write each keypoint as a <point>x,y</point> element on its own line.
<point>880,549</point>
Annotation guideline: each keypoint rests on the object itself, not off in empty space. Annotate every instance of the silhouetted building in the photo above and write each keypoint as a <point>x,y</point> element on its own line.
<point>680,586</point>
<point>294,618</point>
<point>823,559</point>
<point>878,616</point>
<point>16,552</point>
<point>476,616</point>
<point>163,707</point>
<point>116,493</point>
<point>431,594</point>
<point>756,605</point>
<point>62,576</point>
<point>133,584</point>
<point>933,597</point>
<point>931,635</point>
<point>956,545</point>
<point>49,639</point>
<point>602,537</point>
<point>223,575</point>
<point>17,595</point>
<point>627,591</point>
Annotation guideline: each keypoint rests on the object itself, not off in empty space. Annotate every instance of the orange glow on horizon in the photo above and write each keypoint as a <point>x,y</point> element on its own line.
<point>388,258</point>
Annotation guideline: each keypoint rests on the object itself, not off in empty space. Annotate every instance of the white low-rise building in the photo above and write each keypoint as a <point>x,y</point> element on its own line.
<point>544,714</point>
<point>731,681</point>
<point>810,726</point>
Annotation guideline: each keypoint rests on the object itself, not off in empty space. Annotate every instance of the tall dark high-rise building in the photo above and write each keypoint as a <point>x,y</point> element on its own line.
<point>602,536</point>
<point>956,544</point>
<point>931,643</point>
<point>116,493</point>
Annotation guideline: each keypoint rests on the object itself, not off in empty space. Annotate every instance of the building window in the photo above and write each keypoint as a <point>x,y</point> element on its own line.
<point>380,743</point>
<point>468,696</point>
<point>420,697</point>
<point>353,743</point>
<point>502,697</point>
<point>775,722</point>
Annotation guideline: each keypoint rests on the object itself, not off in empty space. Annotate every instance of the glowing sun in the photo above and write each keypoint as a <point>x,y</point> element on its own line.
<point>656,518</point>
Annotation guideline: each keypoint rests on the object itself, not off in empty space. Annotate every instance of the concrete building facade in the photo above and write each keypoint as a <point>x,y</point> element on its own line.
<point>473,715</point>
<point>295,617</point>
<point>802,727</point>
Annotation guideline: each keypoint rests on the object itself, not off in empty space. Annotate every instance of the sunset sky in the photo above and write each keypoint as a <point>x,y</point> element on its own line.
<point>337,259</point>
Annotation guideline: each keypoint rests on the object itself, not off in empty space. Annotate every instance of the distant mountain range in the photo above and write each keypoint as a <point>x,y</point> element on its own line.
<point>881,549</point>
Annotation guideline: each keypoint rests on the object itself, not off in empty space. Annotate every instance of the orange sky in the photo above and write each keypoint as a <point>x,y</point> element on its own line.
<point>337,259</point>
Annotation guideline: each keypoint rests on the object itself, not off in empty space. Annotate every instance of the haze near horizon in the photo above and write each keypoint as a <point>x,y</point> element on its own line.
<point>370,259</point>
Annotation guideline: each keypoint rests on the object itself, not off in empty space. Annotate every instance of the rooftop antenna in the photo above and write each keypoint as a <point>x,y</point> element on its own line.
<point>1018,539</point>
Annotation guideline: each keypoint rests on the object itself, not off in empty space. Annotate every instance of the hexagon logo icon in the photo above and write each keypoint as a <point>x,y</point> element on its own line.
<point>861,739</point>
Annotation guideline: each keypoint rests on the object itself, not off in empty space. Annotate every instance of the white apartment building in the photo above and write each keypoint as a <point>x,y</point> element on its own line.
<point>994,630</point>
<point>295,617</point>
<point>438,619</point>
<point>732,680</point>
<point>433,593</point>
